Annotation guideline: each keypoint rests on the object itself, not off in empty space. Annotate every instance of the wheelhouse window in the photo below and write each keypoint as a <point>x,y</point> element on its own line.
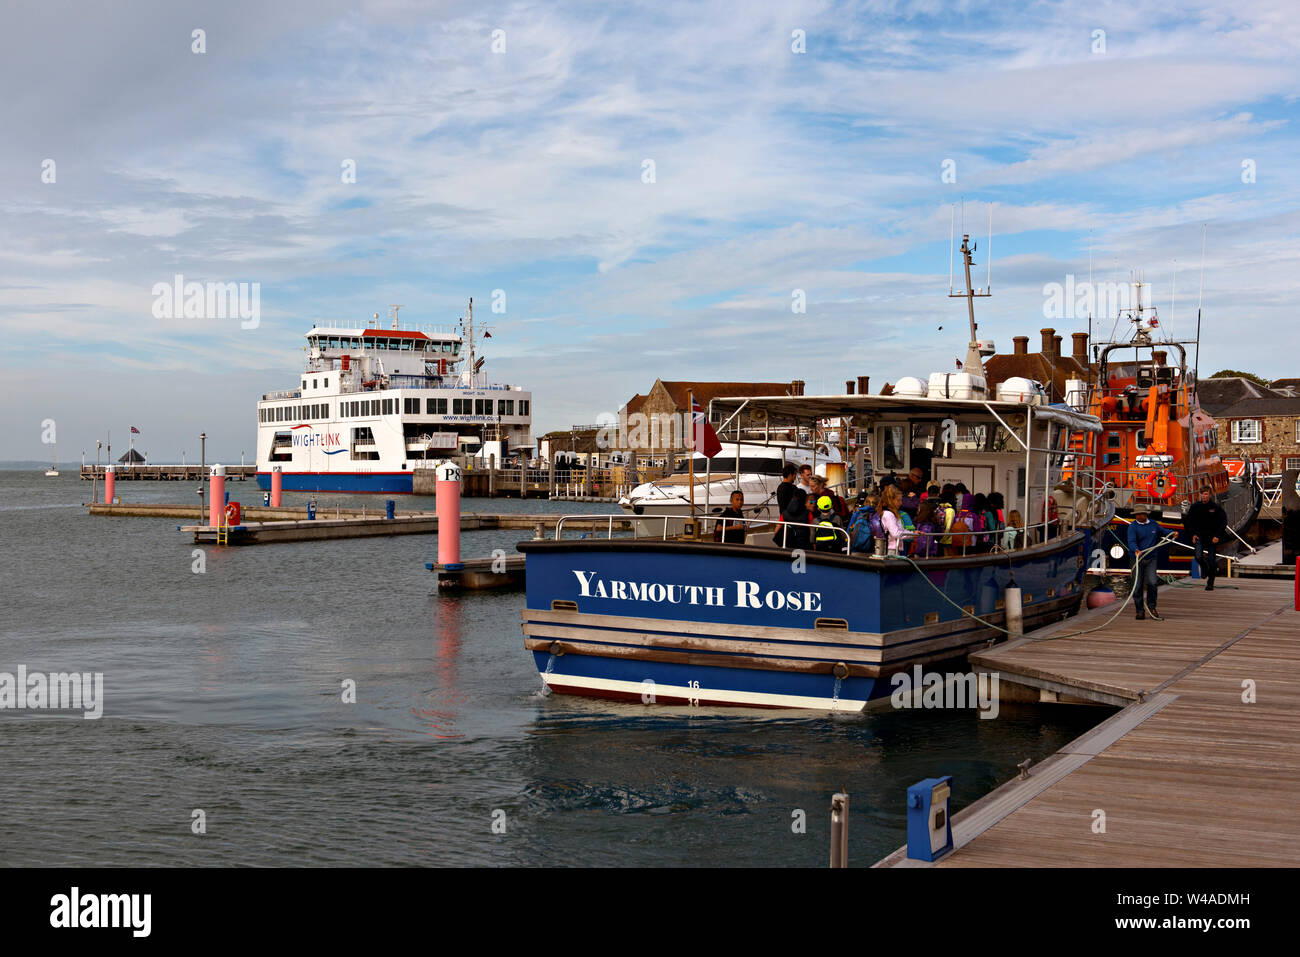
<point>1247,431</point>
<point>435,406</point>
<point>891,447</point>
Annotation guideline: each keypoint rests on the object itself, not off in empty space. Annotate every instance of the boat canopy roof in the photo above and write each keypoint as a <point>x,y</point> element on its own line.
<point>809,408</point>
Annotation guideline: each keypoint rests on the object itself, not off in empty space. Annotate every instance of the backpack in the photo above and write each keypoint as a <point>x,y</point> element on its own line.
<point>877,527</point>
<point>861,530</point>
<point>973,522</point>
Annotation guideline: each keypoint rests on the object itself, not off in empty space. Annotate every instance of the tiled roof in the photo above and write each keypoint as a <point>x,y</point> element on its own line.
<point>704,391</point>
<point>1217,395</point>
<point>1036,366</point>
<point>1266,405</point>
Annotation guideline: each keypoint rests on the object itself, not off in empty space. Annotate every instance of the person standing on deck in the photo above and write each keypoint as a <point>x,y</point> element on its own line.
<point>784,493</point>
<point>1143,536</point>
<point>732,532</point>
<point>1208,523</point>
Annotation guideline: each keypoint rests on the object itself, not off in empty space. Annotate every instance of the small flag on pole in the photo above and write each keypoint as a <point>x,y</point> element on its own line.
<point>134,430</point>
<point>703,438</point>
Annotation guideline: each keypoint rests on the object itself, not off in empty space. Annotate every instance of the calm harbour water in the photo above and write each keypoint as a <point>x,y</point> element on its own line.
<point>223,693</point>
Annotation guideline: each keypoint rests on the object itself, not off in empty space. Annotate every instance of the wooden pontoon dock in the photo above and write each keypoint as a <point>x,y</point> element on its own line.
<point>1201,768</point>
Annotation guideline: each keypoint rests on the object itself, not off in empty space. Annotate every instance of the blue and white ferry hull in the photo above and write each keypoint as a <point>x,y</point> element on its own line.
<point>695,623</point>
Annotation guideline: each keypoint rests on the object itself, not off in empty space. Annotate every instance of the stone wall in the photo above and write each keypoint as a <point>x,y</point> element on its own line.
<point>1278,445</point>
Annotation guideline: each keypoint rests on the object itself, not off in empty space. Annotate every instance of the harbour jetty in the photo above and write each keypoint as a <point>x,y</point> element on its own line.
<point>1196,770</point>
<point>166,473</point>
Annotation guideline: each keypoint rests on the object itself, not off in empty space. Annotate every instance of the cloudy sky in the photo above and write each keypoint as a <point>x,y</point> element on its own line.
<point>517,161</point>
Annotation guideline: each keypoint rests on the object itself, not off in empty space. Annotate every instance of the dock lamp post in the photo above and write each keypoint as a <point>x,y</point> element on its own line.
<point>203,474</point>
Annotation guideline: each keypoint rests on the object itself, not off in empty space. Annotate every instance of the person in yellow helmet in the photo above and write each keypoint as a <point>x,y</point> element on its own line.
<point>826,535</point>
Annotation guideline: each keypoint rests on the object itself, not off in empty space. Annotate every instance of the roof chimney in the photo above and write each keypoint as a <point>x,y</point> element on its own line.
<point>1022,345</point>
<point>1056,346</point>
<point>863,382</point>
<point>1048,335</point>
<point>796,387</point>
<point>848,387</point>
<point>1081,348</point>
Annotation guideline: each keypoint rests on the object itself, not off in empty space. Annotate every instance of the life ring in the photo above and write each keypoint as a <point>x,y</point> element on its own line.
<point>1161,485</point>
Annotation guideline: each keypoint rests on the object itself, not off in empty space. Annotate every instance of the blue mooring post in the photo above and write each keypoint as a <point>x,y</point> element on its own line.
<point>311,510</point>
<point>929,829</point>
<point>266,499</point>
<point>389,507</point>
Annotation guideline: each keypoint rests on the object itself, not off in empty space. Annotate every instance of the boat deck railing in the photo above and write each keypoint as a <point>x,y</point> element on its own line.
<point>971,543</point>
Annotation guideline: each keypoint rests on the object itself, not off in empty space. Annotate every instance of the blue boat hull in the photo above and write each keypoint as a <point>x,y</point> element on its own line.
<point>392,483</point>
<point>699,623</point>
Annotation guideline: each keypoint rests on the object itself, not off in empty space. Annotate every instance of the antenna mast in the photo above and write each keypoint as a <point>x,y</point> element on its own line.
<point>1196,368</point>
<point>472,370</point>
<point>974,363</point>
<point>393,310</point>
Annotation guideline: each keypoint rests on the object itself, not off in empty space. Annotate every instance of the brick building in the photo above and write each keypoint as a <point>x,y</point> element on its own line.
<point>656,423</point>
<point>1264,431</point>
<point>1047,366</point>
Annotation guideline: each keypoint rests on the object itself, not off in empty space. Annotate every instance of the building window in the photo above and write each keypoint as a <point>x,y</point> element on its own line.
<point>1297,431</point>
<point>327,382</point>
<point>1293,463</point>
<point>1246,431</point>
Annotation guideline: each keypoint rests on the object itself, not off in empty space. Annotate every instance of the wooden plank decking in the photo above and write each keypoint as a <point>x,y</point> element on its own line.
<point>1189,774</point>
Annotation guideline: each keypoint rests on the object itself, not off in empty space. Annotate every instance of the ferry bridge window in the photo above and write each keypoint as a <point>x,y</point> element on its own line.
<point>334,342</point>
<point>461,406</point>
<point>482,406</point>
<point>406,345</point>
<point>505,407</point>
<point>523,410</point>
<point>435,406</point>
<point>327,383</point>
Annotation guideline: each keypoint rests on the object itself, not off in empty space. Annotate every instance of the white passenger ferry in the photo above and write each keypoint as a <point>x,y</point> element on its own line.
<point>372,403</point>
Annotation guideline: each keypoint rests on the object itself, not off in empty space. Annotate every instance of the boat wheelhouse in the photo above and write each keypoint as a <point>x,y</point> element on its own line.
<point>1158,448</point>
<point>373,403</point>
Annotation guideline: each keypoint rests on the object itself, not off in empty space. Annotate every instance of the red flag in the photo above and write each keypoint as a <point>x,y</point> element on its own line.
<point>703,438</point>
<point>134,430</point>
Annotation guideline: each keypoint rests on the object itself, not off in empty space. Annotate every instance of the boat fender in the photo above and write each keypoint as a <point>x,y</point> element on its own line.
<point>841,670</point>
<point>557,649</point>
